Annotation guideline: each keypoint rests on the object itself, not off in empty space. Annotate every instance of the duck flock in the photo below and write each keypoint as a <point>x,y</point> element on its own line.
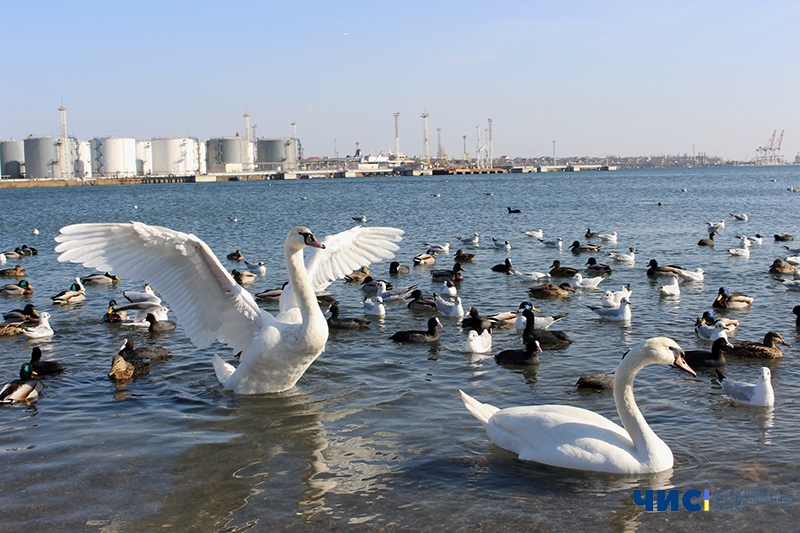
<point>272,350</point>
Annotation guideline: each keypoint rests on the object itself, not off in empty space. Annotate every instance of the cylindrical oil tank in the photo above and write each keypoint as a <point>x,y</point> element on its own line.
<point>277,152</point>
<point>230,154</point>
<point>83,160</point>
<point>144,158</point>
<point>174,156</point>
<point>201,158</point>
<point>43,157</point>
<point>114,156</point>
<point>12,159</point>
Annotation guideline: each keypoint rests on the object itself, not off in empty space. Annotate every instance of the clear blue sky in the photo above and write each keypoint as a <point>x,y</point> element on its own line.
<point>600,78</point>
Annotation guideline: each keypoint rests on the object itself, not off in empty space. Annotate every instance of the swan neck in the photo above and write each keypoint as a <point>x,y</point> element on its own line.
<point>644,439</point>
<point>301,283</point>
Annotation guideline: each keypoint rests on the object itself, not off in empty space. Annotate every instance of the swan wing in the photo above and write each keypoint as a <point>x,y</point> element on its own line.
<point>564,436</point>
<point>209,303</point>
<point>343,253</point>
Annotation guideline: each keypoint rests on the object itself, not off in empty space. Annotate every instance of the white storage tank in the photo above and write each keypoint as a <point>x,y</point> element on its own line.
<point>200,158</point>
<point>43,157</point>
<point>114,157</point>
<point>83,160</point>
<point>274,153</point>
<point>144,158</point>
<point>175,156</point>
<point>12,159</point>
<point>230,154</point>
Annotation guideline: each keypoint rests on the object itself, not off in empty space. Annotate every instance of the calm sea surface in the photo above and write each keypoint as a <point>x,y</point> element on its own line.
<point>375,436</point>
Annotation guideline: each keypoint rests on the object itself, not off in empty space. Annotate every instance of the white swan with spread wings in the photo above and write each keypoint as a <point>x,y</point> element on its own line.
<point>275,350</point>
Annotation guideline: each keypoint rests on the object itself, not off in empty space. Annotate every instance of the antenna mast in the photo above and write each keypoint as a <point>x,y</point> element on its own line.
<point>64,155</point>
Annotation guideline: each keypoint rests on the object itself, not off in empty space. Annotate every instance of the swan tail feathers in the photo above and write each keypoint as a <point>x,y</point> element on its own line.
<point>223,370</point>
<point>481,411</point>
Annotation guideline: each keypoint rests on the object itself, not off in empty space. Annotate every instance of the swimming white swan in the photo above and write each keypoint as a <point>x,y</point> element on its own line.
<point>275,351</point>
<point>571,437</point>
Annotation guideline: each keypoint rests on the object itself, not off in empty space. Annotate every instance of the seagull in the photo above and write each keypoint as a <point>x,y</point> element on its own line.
<point>557,243</point>
<point>741,217</point>
<point>443,248</point>
<point>620,257</point>
<point>790,284</point>
<point>501,244</point>
<point>400,293</point>
<point>536,234</point>
<point>716,225</point>
<point>532,276</point>
<point>362,218</point>
<point>474,240</point>
<point>42,330</point>
<point>671,287</point>
<point>710,333</point>
<point>257,268</point>
<point>448,288</point>
<point>448,307</point>
<point>478,343</point>
<point>759,394</point>
<point>374,308</point>
<point>617,314</point>
<point>692,275</point>
<point>613,299</point>
<point>586,283</point>
<point>608,237</point>
<point>147,295</point>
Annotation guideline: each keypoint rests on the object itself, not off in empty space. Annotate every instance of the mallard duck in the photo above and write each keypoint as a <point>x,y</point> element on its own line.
<point>709,318</point>
<point>14,254</point>
<point>42,330</point>
<point>779,266</point>
<point>44,368</point>
<point>428,258</point>
<point>17,271</point>
<point>359,275</point>
<point>271,295</point>
<point>504,267</point>
<point>548,339</point>
<point>236,256</point>
<point>334,322</point>
<point>708,359</point>
<point>23,288</point>
<point>513,211</point>
<point>422,304</point>
<point>26,314</point>
<point>577,247</point>
<point>757,350</point>
<point>122,370</point>
<point>395,268</point>
<point>28,250</point>
<point>527,357</point>
<point>99,279</point>
<point>731,300</point>
<point>9,329</point>
<point>597,269</point>
<point>76,293</point>
<point>796,311</point>
<point>153,353</point>
<point>590,234</point>
<point>541,322</point>
<point>24,389</point>
<point>112,315</point>
<point>551,291</point>
<point>780,238</point>
<point>430,335</point>
<point>475,321</point>
<point>449,275</point>
<point>243,277</point>
<point>655,270</point>
<point>463,257</point>
<point>558,271</point>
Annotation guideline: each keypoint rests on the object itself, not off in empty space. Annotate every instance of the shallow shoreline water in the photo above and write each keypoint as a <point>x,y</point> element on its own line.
<point>374,436</point>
